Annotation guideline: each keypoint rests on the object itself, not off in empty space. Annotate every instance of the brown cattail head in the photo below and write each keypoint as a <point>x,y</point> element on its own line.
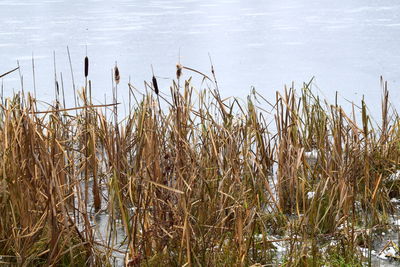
<point>178,70</point>
<point>86,66</point>
<point>155,85</point>
<point>57,89</point>
<point>116,74</point>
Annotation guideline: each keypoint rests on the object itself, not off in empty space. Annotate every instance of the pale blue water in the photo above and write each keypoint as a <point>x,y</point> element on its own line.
<point>346,45</point>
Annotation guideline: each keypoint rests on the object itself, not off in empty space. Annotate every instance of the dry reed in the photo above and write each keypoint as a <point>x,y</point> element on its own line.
<point>204,182</point>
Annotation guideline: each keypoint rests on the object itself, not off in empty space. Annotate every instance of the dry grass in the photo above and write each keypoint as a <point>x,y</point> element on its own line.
<point>203,182</point>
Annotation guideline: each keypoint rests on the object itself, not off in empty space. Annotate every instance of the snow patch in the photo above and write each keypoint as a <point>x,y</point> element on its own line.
<point>310,195</point>
<point>394,176</point>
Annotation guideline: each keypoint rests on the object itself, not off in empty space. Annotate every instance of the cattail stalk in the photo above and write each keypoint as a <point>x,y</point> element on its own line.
<point>155,85</point>
<point>116,74</point>
<point>86,67</point>
<point>178,71</point>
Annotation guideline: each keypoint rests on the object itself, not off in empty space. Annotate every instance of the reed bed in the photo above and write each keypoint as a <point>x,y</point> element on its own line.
<point>203,181</point>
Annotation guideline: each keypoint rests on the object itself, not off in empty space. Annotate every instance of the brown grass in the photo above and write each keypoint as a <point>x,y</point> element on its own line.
<point>204,182</point>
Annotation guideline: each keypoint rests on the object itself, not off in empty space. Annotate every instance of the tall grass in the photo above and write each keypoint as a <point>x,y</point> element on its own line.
<point>205,181</point>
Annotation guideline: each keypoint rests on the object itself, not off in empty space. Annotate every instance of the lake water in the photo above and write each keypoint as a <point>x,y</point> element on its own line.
<point>346,45</point>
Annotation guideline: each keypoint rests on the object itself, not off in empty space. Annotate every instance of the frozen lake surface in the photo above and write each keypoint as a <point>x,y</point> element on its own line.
<point>346,45</point>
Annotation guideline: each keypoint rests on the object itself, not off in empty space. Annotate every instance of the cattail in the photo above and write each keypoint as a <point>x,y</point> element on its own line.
<point>57,89</point>
<point>86,66</point>
<point>155,85</point>
<point>178,70</point>
<point>116,75</point>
